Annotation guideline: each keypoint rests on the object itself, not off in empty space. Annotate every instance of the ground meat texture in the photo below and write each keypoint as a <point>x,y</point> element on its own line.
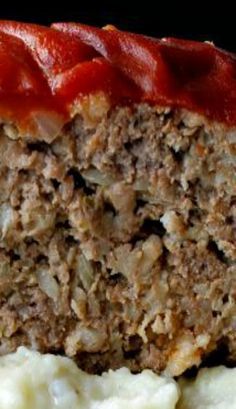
<point>118,239</point>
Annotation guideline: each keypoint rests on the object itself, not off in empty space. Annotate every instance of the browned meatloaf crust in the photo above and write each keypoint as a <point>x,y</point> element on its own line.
<point>118,238</point>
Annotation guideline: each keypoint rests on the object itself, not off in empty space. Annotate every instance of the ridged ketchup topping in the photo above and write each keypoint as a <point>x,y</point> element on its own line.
<point>48,69</point>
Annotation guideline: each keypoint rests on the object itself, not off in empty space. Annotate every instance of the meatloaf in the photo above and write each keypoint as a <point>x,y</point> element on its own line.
<point>117,197</point>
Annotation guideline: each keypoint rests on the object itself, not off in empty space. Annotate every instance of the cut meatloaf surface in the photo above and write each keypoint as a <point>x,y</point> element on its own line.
<point>118,235</point>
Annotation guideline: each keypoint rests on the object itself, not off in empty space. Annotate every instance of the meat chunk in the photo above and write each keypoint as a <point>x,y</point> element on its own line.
<point>118,238</point>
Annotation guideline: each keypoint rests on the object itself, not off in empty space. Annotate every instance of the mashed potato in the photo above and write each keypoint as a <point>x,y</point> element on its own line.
<point>29,380</point>
<point>213,388</point>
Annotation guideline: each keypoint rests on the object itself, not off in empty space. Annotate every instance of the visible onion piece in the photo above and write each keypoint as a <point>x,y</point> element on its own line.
<point>47,125</point>
<point>6,219</point>
<point>48,284</point>
<point>137,262</point>
<point>85,271</point>
<point>95,176</point>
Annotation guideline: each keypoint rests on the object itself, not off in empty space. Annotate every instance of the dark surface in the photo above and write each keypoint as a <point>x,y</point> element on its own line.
<point>194,20</point>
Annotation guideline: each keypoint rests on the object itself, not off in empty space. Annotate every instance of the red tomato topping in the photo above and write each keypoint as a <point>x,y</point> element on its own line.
<point>49,68</point>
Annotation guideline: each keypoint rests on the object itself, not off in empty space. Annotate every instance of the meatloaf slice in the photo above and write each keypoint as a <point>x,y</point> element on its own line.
<point>117,197</point>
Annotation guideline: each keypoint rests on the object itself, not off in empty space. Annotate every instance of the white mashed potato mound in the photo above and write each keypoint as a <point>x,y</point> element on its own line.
<point>213,388</point>
<point>29,380</point>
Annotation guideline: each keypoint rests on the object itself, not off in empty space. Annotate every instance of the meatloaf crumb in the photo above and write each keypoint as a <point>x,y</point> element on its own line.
<point>118,239</point>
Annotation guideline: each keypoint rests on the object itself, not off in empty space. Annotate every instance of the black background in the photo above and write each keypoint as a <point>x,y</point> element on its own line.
<point>200,20</point>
